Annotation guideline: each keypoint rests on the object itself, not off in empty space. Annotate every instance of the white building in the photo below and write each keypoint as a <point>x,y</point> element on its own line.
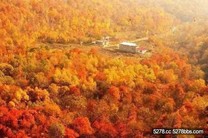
<point>128,47</point>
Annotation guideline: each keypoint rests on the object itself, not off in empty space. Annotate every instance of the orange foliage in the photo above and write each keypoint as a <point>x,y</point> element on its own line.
<point>114,91</point>
<point>73,93</point>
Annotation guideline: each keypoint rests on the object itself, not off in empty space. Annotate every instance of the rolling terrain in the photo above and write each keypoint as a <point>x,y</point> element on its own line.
<point>54,83</point>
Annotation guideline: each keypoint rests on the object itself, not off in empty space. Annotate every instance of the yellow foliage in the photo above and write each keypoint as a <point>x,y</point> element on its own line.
<point>52,108</point>
<point>11,104</point>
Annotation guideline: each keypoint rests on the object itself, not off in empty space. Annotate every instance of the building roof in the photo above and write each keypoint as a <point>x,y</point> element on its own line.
<point>142,49</point>
<point>128,44</point>
<point>100,41</point>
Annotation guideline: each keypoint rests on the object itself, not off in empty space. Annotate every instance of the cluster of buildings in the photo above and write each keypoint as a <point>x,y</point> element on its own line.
<point>103,42</point>
<point>124,46</point>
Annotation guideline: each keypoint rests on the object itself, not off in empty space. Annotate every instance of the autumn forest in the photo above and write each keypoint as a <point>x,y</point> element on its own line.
<point>82,90</point>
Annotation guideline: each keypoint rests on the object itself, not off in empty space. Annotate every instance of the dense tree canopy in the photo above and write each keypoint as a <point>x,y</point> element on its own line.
<point>98,95</point>
<point>71,93</point>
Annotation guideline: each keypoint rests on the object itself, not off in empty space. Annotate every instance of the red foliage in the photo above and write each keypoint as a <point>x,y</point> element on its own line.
<point>75,90</point>
<point>94,51</point>
<point>91,105</point>
<point>82,125</point>
<point>82,74</point>
<point>114,91</point>
<point>104,128</point>
<point>20,123</point>
<point>123,130</point>
<point>69,133</point>
<point>100,76</point>
<point>75,51</point>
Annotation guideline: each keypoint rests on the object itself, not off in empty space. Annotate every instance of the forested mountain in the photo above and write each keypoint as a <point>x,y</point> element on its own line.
<point>74,21</point>
<point>46,92</point>
<point>184,10</point>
